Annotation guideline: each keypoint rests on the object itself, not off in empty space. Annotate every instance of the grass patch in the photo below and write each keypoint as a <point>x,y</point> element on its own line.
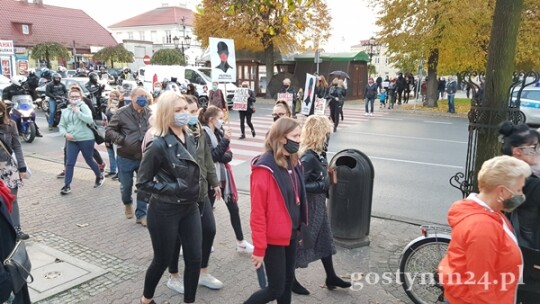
<point>462,105</point>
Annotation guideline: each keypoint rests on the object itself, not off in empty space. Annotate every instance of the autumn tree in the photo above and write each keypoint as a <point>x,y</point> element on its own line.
<point>48,51</point>
<point>453,36</point>
<point>114,54</point>
<point>264,25</point>
<point>168,57</point>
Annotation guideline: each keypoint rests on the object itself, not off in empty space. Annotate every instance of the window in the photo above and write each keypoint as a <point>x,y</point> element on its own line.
<point>119,35</point>
<point>153,36</point>
<point>141,35</point>
<point>26,29</point>
<point>168,37</point>
<point>386,60</point>
<point>130,35</point>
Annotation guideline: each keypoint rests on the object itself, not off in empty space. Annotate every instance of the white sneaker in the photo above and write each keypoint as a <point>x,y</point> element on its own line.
<point>209,281</point>
<point>366,114</point>
<point>370,114</point>
<point>244,247</point>
<point>176,284</point>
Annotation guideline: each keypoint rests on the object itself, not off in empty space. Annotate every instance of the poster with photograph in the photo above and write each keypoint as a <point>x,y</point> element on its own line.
<point>288,97</point>
<point>320,106</point>
<point>222,59</point>
<point>6,66</point>
<point>309,93</point>
<point>240,99</point>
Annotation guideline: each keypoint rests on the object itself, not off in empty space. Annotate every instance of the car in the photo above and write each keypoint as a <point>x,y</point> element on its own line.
<point>71,73</point>
<point>529,104</point>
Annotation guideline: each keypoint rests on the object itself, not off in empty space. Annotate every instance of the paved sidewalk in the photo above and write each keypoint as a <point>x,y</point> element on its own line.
<point>89,224</point>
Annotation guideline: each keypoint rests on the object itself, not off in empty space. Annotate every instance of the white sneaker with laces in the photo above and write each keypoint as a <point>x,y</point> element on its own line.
<point>244,247</point>
<point>209,281</point>
<point>176,284</point>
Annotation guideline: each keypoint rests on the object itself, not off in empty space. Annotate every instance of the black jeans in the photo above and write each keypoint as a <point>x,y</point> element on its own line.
<point>234,213</point>
<point>399,95</point>
<point>279,264</point>
<point>335,110</point>
<point>245,115</point>
<point>208,224</point>
<point>167,222</point>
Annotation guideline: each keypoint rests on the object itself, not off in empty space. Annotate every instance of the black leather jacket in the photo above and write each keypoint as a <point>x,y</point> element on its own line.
<point>315,173</point>
<point>13,90</point>
<point>52,90</point>
<point>169,170</point>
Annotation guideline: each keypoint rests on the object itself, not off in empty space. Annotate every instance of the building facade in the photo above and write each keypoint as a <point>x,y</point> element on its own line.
<point>158,28</point>
<point>380,59</point>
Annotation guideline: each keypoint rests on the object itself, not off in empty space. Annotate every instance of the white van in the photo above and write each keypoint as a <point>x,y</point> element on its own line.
<point>199,76</point>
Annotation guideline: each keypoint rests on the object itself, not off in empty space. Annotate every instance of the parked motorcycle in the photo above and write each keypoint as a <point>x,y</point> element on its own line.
<point>23,113</point>
<point>61,103</point>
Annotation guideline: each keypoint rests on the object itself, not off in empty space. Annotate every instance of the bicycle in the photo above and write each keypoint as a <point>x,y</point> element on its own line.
<point>419,263</point>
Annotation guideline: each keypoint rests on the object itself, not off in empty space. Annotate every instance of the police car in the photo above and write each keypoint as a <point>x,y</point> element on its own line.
<point>530,104</point>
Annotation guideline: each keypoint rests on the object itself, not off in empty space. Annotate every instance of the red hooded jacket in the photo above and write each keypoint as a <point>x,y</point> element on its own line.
<point>483,263</point>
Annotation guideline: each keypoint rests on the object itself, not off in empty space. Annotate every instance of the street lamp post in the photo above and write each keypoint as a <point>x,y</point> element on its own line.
<point>184,43</point>
<point>372,48</point>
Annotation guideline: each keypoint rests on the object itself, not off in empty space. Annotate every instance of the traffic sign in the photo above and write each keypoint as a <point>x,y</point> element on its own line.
<point>146,59</point>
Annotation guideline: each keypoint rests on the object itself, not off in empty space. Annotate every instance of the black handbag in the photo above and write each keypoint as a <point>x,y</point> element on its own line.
<point>97,136</point>
<point>305,241</point>
<point>18,265</point>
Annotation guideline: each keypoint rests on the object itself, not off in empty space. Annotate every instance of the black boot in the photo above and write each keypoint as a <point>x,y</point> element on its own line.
<point>253,132</point>
<point>242,136</point>
<point>20,234</point>
<point>297,288</point>
<point>333,282</point>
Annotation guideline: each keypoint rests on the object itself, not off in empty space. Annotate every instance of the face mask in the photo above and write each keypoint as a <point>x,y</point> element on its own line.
<point>157,90</point>
<point>74,101</point>
<point>214,87</point>
<point>142,101</point>
<point>219,123</point>
<point>513,202</point>
<point>127,101</point>
<point>181,119</point>
<point>193,120</point>
<point>114,102</point>
<point>291,146</point>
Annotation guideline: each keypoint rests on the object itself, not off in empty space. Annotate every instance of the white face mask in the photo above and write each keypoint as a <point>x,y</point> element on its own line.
<point>219,123</point>
<point>74,101</point>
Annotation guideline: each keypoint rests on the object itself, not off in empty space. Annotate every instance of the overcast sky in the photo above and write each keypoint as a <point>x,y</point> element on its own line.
<point>352,20</point>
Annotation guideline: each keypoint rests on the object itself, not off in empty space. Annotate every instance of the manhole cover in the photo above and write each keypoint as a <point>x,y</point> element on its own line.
<point>52,275</point>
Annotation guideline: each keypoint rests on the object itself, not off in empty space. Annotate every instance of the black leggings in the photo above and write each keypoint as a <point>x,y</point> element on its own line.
<point>335,111</point>
<point>279,264</point>
<point>166,223</point>
<point>245,115</point>
<point>234,213</point>
<point>208,223</point>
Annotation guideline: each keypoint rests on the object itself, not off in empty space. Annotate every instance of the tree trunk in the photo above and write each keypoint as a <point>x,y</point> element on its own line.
<point>432,93</point>
<point>269,63</point>
<point>112,63</point>
<point>47,59</point>
<point>500,66</point>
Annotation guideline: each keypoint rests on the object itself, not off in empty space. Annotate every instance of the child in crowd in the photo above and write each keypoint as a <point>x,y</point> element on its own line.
<point>382,99</point>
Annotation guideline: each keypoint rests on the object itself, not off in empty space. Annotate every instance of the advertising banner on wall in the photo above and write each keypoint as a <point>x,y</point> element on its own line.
<point>223,59</point>
<point>6,47</point>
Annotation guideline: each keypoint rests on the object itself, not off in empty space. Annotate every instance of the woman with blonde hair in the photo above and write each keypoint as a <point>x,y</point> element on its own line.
<point>170,172</point>
<point>313,147</point>
<point>278,210</point>
<point>483,263</point>
<point>113,105</point>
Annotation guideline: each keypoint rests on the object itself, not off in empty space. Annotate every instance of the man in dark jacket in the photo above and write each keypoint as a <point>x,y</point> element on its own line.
<point>127,129</point>
<point>401,83</point>
<point>55,90</point>
<point>33,82</point>
<point>96,90</point>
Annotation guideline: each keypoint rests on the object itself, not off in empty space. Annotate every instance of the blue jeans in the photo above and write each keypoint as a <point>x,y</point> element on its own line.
<point>369,101</point>
<point>52,110</point>
<point>112,159</point>
<point>86,147</point>
<point>451,107</point>
<point>126,168</point>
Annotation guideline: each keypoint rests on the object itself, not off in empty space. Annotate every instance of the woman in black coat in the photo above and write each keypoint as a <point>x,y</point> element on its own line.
<point>337,98</point>
<point>313,145</point>
<point>7,244</point>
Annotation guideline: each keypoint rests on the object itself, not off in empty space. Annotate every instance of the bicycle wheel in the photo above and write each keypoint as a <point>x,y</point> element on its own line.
<point>418,270</point>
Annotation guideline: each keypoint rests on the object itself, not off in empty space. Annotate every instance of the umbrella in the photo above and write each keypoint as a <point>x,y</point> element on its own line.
<point>340,74</point>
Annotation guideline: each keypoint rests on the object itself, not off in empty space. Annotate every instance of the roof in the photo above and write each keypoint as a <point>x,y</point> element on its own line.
<point>159,16</point>
<point>51,24</point>
<point>343,56</point>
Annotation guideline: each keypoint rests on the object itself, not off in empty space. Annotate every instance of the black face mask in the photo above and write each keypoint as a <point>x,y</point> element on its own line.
<point>291,146</point>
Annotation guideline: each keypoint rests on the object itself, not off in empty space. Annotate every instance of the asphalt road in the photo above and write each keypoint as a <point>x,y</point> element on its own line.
<point>414,157</point>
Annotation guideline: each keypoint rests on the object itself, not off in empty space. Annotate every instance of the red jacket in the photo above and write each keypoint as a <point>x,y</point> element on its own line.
<point>483,263</point>
<point>270,219</point>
